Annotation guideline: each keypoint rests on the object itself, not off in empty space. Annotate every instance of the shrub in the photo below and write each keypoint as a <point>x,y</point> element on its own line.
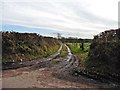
<point>104,55</point>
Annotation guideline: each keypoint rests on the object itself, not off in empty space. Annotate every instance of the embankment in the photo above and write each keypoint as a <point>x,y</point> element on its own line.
<point>103,60</point>
<point>18,47</point>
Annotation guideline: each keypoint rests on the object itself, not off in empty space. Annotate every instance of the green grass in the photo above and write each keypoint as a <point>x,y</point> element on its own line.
<point>75,48</point>
<point>44,53</point>
<point>50,51</point>
<point>64,51</point>
<point>32,54</point>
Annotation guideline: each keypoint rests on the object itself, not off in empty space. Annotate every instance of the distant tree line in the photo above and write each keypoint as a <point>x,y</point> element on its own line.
<point>76,41</point>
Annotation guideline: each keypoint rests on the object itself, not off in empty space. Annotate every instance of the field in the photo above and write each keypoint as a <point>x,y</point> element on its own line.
<point>81,54</point>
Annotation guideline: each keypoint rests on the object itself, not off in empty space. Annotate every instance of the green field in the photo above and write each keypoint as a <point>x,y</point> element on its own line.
<point>81,54</point>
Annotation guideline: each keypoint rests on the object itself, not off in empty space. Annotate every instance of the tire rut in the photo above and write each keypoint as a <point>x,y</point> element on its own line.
<point>50,73</point>
<point>33,63</point>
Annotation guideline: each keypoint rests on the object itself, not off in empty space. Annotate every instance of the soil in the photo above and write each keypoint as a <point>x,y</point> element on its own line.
<point>50,73</point>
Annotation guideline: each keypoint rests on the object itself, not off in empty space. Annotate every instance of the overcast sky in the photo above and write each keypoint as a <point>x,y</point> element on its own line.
<point>78,18</point>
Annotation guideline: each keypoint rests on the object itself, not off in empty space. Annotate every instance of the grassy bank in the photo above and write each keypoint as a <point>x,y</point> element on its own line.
<point>27,46</point>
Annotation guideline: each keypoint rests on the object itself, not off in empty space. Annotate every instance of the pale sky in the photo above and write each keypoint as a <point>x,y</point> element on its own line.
<point>76,18</point>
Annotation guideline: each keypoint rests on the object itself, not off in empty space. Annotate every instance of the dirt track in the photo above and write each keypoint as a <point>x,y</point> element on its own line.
<point>40,78</point>
<point>49,73</point>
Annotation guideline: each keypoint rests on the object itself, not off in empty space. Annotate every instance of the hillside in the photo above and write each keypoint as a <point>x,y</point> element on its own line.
<point>26,46</point>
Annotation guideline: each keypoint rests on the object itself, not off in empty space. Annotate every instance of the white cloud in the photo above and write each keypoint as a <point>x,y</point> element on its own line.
<point>74,16</point>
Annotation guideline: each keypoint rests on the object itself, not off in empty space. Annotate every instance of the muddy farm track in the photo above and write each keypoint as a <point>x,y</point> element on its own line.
<point>52,72</point>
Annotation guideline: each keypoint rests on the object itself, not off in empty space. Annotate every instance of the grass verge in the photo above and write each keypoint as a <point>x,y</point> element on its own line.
<point>81,54</point>
<point>31,54</point>
<point>64,51</point>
